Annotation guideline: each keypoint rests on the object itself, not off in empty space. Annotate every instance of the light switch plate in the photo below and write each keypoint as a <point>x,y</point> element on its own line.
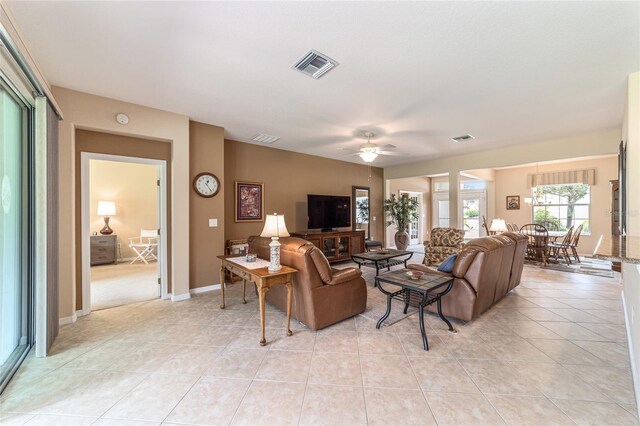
<point>213,223</point>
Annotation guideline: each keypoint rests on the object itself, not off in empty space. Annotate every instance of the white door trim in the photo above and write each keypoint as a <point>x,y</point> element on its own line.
<point>85,157</point>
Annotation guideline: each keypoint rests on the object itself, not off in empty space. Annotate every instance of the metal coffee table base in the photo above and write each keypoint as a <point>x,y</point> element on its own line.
<point>421,299</point>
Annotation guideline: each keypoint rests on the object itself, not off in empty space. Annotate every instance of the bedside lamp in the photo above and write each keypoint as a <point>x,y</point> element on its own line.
<point>498,225</point>
<point>275,228</point>
<point>106,209</point>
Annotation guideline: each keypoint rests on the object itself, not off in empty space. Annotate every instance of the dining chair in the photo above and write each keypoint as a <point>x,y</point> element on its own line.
<point>563,247</point>
<point>537,246</point>
<point>574,242</point>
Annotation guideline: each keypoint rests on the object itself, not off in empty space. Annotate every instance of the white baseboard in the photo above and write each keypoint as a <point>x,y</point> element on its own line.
<point>68,320</point>
<point>632,357</point>
<point>204,289</point>
<point>180,297</point>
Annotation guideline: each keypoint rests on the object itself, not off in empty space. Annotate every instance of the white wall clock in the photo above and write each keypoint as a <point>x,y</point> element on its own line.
<point>206,184</point>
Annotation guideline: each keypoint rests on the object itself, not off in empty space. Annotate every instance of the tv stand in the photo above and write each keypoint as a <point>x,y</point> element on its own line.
<point>337,246</point>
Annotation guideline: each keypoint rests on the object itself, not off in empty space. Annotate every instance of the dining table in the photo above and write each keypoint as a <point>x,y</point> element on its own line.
<point>542,240</point>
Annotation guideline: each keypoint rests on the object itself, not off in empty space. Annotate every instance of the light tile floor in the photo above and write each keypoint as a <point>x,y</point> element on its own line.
<point>551,352</point>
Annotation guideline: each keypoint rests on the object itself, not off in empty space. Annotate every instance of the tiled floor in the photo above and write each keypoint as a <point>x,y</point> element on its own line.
<point>552,352</point>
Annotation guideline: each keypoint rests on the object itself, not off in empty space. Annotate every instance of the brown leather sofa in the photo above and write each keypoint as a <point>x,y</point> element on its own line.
<point>322,295</point>
<point>485,271</point>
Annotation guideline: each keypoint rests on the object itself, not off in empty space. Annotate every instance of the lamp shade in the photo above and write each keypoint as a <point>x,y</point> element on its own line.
<point>106,208</point>
<point>498,225</point>
<point>368,156</point>
<point>274,226</point>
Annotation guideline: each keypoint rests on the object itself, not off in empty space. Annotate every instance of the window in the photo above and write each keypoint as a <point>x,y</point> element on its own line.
<point>472,185</point>
<point>562,206</point>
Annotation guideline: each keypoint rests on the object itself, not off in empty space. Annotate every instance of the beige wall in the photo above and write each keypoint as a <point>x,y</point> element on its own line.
<point>603,142</point>
<point>86,111</point>
<point>414,184</point>
<point>288,178</point>
<point>206,154</point>
<point>513,181</point>
<point>134,190</point>
<point>106,143</point>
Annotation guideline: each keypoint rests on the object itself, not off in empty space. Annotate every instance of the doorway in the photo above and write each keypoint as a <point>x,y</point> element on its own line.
<point>123,216</point>
<point>473,207</point>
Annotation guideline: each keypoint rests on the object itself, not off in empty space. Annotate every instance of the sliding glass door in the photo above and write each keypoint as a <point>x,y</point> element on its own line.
<point>14,288</point>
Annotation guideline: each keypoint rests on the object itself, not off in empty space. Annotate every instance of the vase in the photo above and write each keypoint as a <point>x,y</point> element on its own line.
<point>402,240</point>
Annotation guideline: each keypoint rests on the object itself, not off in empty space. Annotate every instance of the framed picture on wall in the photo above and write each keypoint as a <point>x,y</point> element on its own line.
<point>249,202</point>
<point>513,202</point>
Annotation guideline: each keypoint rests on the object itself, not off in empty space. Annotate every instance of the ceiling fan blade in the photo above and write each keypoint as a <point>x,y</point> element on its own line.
<point>393,154</point>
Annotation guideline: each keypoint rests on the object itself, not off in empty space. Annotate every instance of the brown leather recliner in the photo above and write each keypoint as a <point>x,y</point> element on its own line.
<point>485,270</point>
<point>322,295</point>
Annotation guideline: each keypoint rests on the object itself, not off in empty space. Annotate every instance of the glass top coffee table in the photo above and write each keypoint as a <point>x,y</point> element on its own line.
<point>382,258</point>
<point>421,292</point>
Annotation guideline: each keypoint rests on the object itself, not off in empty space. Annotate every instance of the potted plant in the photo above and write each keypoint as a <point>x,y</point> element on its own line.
<point>401,212</point>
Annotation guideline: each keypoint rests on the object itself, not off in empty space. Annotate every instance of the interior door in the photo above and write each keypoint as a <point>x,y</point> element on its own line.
<point>473,207</point>
<point>414,227</point>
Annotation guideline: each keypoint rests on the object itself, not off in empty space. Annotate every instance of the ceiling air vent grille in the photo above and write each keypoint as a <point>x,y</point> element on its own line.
<point>265,138</point>
<point>314,64</point>
<point>462,138</point>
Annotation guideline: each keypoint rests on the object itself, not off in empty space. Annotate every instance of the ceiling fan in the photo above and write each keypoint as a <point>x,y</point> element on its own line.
<point>369,151</point>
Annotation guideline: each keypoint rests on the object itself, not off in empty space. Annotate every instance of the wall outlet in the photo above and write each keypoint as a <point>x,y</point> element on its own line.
<point>374,218</point>
<point>213,223</point>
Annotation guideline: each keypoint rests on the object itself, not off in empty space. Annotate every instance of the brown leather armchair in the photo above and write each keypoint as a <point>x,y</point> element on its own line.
<point>322,295</point>
<point>485,270</point>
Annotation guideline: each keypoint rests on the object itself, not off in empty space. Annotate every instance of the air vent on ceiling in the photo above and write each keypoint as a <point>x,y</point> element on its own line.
<point>314,64</point>
<point>462,138</point>
<point>265,138</point>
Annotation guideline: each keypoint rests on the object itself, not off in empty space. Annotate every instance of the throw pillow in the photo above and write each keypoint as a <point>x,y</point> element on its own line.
<point>447,265</point>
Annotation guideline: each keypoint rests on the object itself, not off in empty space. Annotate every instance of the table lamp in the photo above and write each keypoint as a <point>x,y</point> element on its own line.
<point>106,209</point>
<point>498,225</point>
<point>275,228</point>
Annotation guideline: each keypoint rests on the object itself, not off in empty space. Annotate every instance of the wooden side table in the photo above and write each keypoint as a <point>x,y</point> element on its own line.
<point>263,279</point>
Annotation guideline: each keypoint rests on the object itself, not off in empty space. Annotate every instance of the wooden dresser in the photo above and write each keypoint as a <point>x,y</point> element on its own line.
<point>103,249</point>
<point>336,245</point>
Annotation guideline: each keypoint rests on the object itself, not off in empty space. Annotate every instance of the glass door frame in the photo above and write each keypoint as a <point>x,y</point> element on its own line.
<point>479,194</point>
<point>27,225</point>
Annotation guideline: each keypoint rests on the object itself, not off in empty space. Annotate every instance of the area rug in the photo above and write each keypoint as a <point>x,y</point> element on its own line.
<point>587,266</point>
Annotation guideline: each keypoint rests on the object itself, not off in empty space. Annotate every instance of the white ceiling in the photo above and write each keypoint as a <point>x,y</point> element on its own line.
<point>416,73</point>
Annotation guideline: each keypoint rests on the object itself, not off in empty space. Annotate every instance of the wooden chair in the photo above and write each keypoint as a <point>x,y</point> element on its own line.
<point>574,243</point>
<point>537,247</point>
<point>563,247</point>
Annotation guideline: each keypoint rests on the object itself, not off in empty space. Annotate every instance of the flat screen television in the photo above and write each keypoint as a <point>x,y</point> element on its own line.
<point>328,211</point>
